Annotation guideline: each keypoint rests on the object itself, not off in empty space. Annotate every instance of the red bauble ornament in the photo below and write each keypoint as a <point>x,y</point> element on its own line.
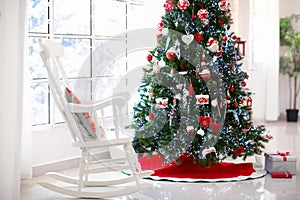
<point>244,84</point>
<point>231,89</point>
<point>169,6</point>
<point>198,37</point>
<point>224,38</point>
<point>170,55</point>
<point>236,104</point>
<point>149,57</point>
<point>193,16</point>
<point>202,14</point>
<point>191,89</point>
<point>183,4</point>
<point>241,101</point>
<point>228,97</point>
<point>221,22</point>
<point>224,5</point>
<point>204,121</point>
<point>238,151</point>
<point>234,37</point>
<point>247,126</point>
<point>151,116</point>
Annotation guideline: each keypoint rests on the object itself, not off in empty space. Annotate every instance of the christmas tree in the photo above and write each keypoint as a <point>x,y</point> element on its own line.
<point>193,97</point>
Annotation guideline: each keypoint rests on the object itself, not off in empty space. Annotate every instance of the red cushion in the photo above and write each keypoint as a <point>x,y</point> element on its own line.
<point>87,124</point>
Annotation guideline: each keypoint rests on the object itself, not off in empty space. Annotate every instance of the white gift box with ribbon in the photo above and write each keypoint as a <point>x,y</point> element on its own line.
<point>280,162</point>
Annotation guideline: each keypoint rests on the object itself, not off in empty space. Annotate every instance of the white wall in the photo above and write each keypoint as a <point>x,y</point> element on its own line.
<point>11,77</point>
<point>287,8</point>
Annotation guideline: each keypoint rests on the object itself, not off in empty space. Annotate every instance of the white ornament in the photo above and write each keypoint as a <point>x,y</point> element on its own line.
<point>177,43</point>
<point>183,72</point>
<point>200,132</point>
<point>161,63</point>
<point>168,42</point>
<point>214,102</point>
<point>190,129</point>
<point>187,39</point>
<point>165,31</point>
<point>156,68</point>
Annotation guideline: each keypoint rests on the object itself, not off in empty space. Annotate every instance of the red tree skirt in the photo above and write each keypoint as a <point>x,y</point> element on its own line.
<point>194,171</point>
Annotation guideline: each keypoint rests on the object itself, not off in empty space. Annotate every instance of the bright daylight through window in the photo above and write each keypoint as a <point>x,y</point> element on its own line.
<point>82,26</point>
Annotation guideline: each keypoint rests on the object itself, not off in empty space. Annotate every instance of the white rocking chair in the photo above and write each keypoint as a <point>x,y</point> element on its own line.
<point>73,112</point>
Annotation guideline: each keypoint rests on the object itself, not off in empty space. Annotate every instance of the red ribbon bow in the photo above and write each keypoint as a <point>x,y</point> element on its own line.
<point>283,154</point>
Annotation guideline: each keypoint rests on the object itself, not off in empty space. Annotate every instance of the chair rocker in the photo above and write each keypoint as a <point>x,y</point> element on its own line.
<point>82,120</point>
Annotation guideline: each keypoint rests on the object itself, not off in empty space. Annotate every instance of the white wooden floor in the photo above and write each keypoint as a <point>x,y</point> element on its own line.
<point>286,138</point>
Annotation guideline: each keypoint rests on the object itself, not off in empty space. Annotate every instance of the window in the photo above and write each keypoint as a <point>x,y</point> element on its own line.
<point>83,27</point>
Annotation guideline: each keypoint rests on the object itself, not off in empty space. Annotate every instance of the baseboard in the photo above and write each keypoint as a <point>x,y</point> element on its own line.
<point>62,165</point>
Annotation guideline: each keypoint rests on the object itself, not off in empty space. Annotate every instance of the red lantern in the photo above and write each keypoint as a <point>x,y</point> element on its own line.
<point>151,116</point>
<point>249,102</point>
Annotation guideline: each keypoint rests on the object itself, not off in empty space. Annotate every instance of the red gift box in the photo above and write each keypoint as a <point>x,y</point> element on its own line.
<point>281,175</point>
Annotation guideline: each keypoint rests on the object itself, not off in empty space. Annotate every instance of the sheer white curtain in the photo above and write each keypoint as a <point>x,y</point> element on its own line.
<point>263,60</point>
<point>12,34</point>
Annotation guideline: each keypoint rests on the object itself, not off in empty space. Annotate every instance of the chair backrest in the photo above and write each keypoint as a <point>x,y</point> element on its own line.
<point>58,81</point>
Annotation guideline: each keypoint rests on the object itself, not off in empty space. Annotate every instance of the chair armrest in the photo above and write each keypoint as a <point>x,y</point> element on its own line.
<point>117,100</point>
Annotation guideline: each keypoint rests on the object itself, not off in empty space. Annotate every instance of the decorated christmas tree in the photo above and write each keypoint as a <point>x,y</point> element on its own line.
<point>194,98</point>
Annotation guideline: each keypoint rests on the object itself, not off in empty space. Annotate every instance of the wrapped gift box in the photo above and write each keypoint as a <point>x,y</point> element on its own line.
<point>280,162</point>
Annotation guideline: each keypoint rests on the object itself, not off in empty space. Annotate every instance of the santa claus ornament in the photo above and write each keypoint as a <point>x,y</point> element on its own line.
<point>213,45</point>
<point>162,102</point>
